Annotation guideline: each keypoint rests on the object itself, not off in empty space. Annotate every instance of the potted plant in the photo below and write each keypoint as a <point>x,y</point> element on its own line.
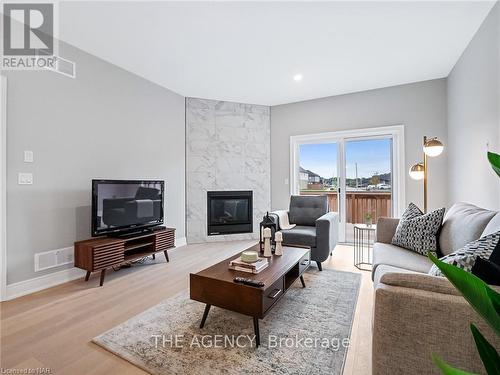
<point>482,298</point>
<point>368,219</point>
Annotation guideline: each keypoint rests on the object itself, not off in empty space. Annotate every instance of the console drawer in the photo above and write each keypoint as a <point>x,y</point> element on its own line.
<point>304,262</point>
<point>105,257</point>
<point>272,294</point>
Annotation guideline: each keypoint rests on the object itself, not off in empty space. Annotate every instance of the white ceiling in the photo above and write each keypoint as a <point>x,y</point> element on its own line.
<point>249,51</point>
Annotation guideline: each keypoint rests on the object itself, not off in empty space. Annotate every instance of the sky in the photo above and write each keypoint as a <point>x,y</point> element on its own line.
<point>372,156</point>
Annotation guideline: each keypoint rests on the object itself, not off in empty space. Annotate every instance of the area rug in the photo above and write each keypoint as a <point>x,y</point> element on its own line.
<point>307,332</point>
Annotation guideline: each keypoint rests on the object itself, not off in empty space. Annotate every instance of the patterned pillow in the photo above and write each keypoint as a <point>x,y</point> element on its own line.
<point>417,231</point>
<point>465,257</point>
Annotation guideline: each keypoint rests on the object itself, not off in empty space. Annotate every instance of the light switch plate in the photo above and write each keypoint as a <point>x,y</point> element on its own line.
<point>28,156</point>
<point>25,178</point>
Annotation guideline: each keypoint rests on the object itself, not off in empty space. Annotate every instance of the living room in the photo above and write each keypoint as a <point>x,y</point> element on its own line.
<point>183,191</point>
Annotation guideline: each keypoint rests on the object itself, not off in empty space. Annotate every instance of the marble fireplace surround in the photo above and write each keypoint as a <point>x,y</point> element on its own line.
<point>227,148</point>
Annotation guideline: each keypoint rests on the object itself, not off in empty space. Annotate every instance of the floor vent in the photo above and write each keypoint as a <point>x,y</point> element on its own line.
<point>53,258</point>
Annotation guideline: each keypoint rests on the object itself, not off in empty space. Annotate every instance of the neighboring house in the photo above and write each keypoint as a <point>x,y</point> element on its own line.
<point>309,179</point>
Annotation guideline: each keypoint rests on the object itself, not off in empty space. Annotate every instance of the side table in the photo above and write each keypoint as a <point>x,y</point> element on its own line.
<point>364,236</point>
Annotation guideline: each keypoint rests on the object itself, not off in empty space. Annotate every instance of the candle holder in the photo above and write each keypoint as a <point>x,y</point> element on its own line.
<point>267,222</point>
<point>278,248</point>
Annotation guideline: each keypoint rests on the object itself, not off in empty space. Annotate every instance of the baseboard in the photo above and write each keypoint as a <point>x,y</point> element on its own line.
<point>36,284</point>
<point>181,241</point>
<point>42,282</point>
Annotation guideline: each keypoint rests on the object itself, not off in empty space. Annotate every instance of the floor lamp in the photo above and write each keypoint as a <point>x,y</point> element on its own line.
<point>432,147</point>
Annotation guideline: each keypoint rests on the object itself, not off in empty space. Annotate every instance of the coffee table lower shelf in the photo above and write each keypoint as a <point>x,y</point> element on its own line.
<point>214,286</point>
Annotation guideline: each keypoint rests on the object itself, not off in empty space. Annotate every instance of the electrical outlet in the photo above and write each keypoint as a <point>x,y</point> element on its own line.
<point>28,157</point>
<point>25,178</point>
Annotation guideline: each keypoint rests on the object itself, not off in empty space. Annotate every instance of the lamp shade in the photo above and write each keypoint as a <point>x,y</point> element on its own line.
<point>417,171</point>
<point>433,147</point>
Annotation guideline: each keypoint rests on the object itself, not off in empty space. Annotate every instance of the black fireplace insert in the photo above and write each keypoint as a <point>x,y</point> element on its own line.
<point>229,212</point>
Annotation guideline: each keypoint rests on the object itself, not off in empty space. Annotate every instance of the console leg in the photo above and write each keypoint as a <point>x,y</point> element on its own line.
<point>256,330</point>
<point>302,281</point>
<point>205,314</point>
<point>87,276</point>
<point>103,273</point>
<point>319,266</point>
<point>166,255</point>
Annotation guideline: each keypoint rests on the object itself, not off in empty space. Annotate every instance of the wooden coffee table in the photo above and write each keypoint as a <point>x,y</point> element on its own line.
<point>215,285</point>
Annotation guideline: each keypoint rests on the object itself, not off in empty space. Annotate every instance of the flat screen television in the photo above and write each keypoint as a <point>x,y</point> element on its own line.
<point>120,206</point>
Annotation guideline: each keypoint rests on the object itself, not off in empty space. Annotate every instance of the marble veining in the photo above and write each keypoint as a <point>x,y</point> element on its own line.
<point>227,148</point>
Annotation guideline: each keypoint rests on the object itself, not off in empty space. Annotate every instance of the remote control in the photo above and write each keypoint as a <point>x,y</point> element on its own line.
<point>249,282</point>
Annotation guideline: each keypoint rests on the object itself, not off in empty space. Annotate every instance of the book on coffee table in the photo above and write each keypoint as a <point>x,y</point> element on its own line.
<point>255,267</point>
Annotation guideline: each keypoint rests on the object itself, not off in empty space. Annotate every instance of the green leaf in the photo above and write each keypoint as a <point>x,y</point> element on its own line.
<point>446,369</point>
<point>494,160</point>
<point>495,299</point>
<point>487,352</point>
<point>479,295</point>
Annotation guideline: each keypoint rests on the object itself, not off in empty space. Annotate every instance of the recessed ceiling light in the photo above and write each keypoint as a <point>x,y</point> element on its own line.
<point>297,77</point>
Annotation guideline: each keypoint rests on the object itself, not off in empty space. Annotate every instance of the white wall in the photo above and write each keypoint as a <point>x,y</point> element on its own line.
<point>474,117</point>
<point>420,107</point>
<point>106,123</point>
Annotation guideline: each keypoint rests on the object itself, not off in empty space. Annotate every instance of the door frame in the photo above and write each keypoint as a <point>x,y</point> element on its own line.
<point>396,132</point>
<point>3,187</point>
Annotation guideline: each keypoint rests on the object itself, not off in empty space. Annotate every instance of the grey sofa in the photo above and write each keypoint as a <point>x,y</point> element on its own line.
<point>416,314</point>
<point>315,226</point>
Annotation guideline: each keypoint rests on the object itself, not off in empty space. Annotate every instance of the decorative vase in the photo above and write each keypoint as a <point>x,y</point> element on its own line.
<point>278,237</point>
<point>267,243</point>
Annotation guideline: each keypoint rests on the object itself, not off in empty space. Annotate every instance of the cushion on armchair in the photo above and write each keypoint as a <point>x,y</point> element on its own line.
<point>300,235</point>
<point>306,209</point>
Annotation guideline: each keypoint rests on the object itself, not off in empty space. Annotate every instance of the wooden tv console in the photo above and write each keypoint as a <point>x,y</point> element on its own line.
<point>101,253</point>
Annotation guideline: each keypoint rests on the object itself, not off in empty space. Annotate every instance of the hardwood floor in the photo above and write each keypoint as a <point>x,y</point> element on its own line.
<point>53,328</point>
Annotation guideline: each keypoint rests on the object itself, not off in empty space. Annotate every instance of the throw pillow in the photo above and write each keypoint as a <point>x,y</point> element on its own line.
<point>465,257</point>
<point>417,231</point>
<point>487,271</point>
<point>495,255</point>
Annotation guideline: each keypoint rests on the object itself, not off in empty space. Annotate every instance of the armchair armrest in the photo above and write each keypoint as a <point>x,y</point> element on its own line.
<point>327,229</point>
<point>386,227</point>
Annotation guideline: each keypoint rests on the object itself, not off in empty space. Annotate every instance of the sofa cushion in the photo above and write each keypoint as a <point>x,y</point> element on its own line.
<point>391,255</point>
<point>417,231</point>
<point>306,209</point>
<point>300,235</point>
<point>487,271</point>
<point>465,257</point>
<point>493,225</point>
<point>382,269</point>
<point>463,223</point>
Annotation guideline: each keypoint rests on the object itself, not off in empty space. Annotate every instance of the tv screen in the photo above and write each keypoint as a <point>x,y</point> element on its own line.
<point>122,206</point>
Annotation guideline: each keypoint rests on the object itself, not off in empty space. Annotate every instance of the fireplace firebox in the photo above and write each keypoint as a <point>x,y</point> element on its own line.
<point>229,212</point>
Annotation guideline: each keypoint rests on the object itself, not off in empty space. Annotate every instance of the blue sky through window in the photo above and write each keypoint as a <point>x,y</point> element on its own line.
<point>373,156</point>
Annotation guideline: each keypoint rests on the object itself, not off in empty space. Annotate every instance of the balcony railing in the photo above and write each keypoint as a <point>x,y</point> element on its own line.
<point>359,203</point>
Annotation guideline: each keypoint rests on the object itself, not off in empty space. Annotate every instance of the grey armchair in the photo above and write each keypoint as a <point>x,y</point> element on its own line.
<point>315,226</point>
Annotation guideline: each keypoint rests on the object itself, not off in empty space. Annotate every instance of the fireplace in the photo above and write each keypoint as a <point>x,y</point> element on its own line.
<point>229,212</point>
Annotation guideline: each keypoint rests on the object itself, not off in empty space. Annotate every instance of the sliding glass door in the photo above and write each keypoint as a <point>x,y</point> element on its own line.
<point>318,171</point>
<point>360,175</point>
<point>368,182</point>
